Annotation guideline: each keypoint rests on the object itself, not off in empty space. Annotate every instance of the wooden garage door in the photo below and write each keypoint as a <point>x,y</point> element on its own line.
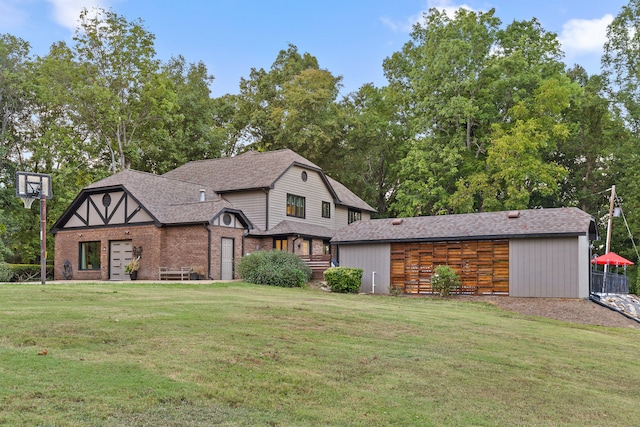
<point>483,266</point>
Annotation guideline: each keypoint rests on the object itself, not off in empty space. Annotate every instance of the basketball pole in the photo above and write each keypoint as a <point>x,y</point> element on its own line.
<point>43,237</point>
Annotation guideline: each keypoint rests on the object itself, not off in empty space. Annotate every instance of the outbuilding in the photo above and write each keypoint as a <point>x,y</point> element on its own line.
<point>523,253</point>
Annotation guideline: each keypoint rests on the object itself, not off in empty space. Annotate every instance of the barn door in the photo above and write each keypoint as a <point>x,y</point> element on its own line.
<point>226,270</point>
<point>120,256</point>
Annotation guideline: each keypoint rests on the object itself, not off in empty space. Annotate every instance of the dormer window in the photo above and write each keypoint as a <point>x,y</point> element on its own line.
<point>295,206</point>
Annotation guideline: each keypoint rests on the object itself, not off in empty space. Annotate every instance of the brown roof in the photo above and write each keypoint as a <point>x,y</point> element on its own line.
<point>249,170</point>
<point>288,227</point>
<point>252,170</point>
<point>488,225</point>
<point>170,201</point>
<point>347,198</point>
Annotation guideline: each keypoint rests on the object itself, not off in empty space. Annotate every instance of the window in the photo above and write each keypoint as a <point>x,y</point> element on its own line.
<point>326,210</point>
<point>280,244</point>
<point>89,256</point>
<point>295,206</point>
<point>326,247</point>
<point>354,216</point>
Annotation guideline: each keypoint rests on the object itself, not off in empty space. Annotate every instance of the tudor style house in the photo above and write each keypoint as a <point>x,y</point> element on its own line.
<point>202,217</point>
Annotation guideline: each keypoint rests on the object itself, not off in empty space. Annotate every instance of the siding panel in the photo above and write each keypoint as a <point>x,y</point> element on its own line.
<point>313,190</point>
<point>253,204</point>
<point>548,267</point>
<point>371,258</point>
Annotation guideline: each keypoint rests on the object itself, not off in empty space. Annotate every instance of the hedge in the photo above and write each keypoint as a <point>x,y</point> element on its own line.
<point>343,279</point>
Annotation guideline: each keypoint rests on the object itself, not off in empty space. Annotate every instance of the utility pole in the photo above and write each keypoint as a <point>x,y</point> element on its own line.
<point>610,222</point>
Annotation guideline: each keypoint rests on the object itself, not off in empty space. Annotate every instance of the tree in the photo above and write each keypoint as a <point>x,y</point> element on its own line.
<point>440,78</point>
<point>186,129</point>
<point>375,141</point>
<point>292,106</point>
<point>479,100</point>
<point>621,62</point>
<point>621,68</point>
<point>117,92</point>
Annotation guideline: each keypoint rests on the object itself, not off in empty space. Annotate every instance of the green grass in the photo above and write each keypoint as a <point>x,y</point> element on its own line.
<point>139,354</point>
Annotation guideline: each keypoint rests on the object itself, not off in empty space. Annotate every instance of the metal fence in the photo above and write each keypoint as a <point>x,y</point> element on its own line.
<point>609,283</point>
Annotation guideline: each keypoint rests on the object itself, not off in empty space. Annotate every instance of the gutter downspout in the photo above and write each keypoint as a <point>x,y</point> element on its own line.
<point>266,209</point>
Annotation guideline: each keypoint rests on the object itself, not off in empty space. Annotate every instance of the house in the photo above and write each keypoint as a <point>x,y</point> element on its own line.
<point>203,216</point>
<point>526,253</point>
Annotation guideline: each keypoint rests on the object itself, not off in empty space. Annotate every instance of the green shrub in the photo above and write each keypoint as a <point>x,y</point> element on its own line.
<point>343,279</point>
<point>274,268</point>
<point>444,280</point>
<point>5,272</point>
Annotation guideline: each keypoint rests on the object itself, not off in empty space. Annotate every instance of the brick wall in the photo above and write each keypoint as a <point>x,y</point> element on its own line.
<point>173,247</point>
<point>67,247</point>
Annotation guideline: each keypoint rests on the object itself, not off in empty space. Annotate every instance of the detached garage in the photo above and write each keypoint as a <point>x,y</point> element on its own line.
<point>527,253</point>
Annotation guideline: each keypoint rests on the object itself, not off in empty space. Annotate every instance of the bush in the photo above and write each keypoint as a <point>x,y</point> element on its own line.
<point>5,272</point>
<point>444,280</point>
<point>274,268</point>
<point>343,279</point>
<point>27,272</point>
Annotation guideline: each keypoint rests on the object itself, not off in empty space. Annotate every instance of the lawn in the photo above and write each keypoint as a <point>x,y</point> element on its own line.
<point>135,354</point>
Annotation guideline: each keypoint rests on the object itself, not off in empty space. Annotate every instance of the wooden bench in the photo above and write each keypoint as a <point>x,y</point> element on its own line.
<point>167,274</point>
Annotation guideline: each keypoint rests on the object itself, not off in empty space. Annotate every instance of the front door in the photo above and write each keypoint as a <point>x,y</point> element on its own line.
<point>120,256</point>
<point>305,248</point>
<point>226,272</point>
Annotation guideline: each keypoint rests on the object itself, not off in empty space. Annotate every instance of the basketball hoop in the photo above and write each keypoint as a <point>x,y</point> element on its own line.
<point>30,186</point>
<point>27,202</point>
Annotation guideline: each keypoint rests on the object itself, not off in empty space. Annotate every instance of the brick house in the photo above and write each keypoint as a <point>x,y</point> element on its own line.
<point>202,216</point>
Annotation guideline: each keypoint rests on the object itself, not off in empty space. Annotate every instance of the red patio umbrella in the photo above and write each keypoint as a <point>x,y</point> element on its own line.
<point>611,258</point>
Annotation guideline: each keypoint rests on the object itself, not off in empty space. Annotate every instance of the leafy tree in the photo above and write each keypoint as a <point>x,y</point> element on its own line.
<point>292,106</point>
<point>440,78</point>
<point>186,131</point>
<point>621,62</point>
<point>375,141</point>
<point>117,92</point>
<point>621,68</point>
<point>591,153</point>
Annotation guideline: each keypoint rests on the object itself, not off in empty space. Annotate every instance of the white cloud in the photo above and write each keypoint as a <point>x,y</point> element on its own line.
<point>67,12</point>
<point>406,26</point>
<point>584,36</point>
<point>448,7</point>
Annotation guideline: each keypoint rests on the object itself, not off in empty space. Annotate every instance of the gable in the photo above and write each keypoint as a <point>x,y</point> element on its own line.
<point>109,207</point>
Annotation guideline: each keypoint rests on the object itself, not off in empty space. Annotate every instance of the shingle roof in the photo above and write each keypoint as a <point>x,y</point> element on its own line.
<point>253,170</point>
<point>288,227</point>
<point>490,225</point>
<point>347,197</point>
<point>249,170</point>
<point>170,201</point>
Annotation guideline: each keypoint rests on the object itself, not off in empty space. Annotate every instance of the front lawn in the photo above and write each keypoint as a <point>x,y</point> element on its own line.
<point>129,354</point>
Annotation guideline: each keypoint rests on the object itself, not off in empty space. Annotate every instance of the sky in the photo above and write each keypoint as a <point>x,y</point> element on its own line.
<point>350,38</point>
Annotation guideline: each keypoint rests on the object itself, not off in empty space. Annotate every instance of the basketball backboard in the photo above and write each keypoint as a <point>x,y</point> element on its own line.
<point>32,185</point>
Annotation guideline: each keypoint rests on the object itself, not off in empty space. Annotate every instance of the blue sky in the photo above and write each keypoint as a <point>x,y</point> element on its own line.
<point>350,38</point>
